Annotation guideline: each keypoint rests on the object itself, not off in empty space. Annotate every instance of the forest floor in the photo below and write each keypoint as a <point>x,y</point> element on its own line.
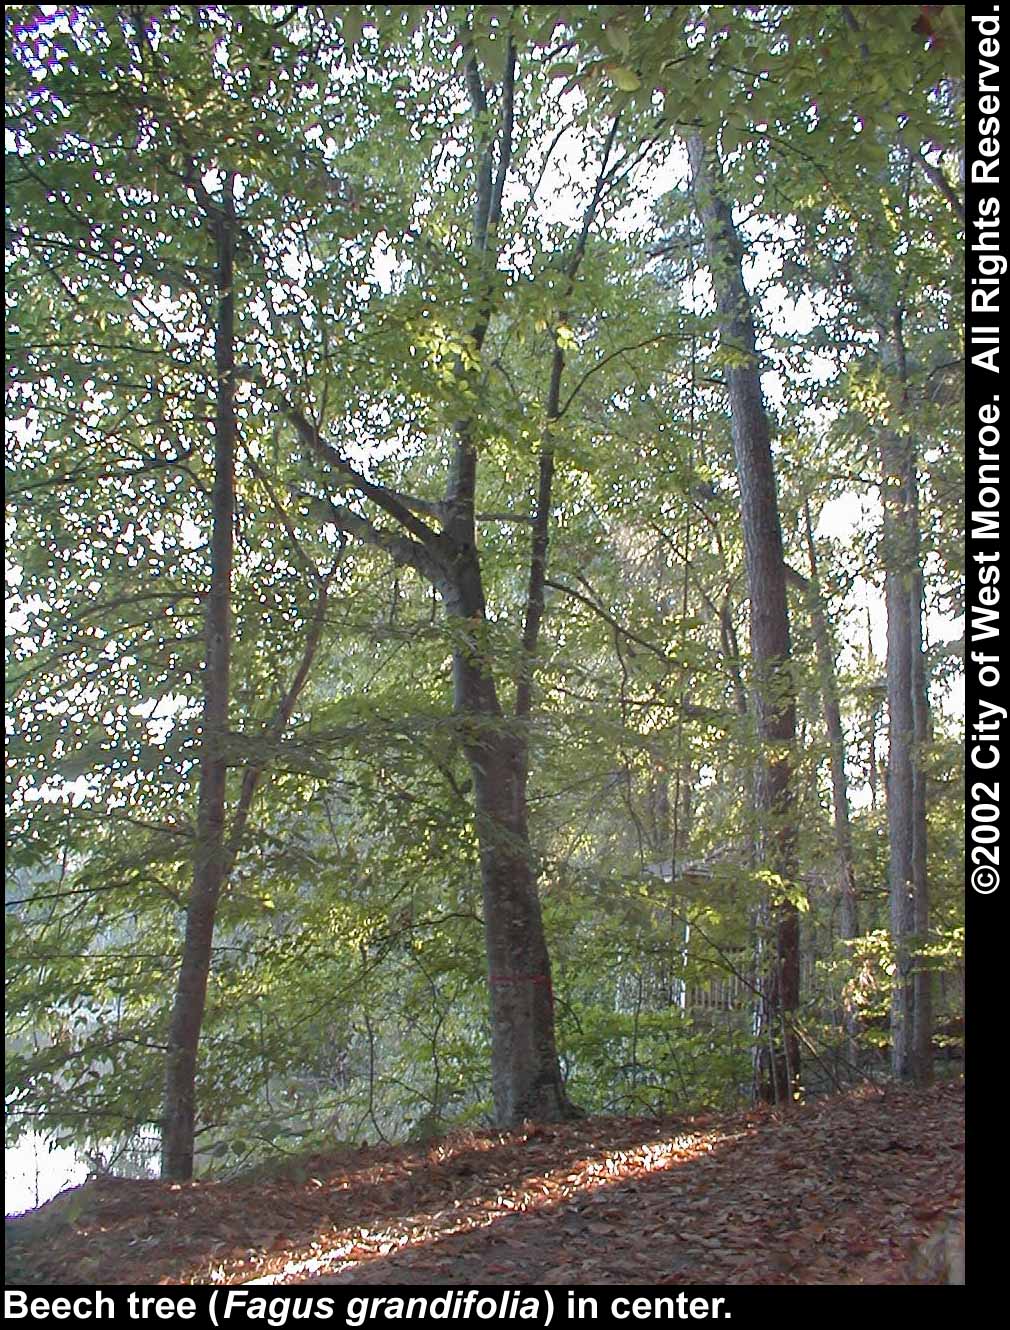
<point>841,1191</point>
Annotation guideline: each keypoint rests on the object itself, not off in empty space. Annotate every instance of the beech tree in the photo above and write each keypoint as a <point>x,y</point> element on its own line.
<point>396,635</point>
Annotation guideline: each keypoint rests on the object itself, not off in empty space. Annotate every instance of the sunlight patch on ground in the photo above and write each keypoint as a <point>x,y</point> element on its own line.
<point>540,1192</point>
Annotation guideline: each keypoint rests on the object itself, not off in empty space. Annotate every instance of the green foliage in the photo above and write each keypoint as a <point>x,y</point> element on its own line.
<point>348,995</point>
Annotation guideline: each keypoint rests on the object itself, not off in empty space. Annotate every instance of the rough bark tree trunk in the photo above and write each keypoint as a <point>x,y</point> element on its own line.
<point>907,696</point>
<point>777,1059</point>
<point>211,855</point>
<point>873,708</point>
<point>922,980</point>
<point>900,760</point>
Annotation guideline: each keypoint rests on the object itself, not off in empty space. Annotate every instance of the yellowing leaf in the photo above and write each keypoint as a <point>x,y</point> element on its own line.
<point>626,79</point>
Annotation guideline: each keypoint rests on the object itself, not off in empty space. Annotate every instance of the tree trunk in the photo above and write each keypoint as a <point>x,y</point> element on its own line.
<point>525,1071</point>
<point>777,1047</point>
<point>525,1075</point>
<point>828,680</point>
<point>908,734</point>
<point>872,717</point>
<point>900,760</point>
<point>824,650</point>
<point>211,856</point>
<point>922,978</point>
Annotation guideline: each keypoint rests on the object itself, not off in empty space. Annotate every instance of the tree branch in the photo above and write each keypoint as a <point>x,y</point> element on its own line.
<point>940,182</point>
<point>505,136</point>
<point>398,506</point>
<point>388,500</point>
<point>612,355</point>
<point>285,708</point>
<point>608,618</point>
<point>533,617</point>
<point>402,549</point>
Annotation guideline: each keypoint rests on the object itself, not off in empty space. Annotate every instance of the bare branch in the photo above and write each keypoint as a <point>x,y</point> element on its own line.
<point>385,498</point>
<point>285,708</point>
<point>608,618</point>
<point>797,579</point>
<point>505,517</point>
<point>612,355</point>
<point>534,614</point>
<point>505,137</point>
<point>939,181</point>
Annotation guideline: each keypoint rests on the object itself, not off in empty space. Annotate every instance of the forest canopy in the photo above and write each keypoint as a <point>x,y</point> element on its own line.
<point>484,565</point>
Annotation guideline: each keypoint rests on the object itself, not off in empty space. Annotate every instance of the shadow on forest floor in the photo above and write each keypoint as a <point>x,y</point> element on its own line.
<point>838,1192</point>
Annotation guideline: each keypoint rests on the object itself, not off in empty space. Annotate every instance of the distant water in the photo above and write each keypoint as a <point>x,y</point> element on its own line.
<point>34,1173</point>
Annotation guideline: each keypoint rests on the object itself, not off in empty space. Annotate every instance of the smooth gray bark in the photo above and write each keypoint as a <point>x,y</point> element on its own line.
<point>525,1071</point>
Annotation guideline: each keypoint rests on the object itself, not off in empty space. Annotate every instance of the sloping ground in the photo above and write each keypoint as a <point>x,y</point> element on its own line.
<point>843,1191</point>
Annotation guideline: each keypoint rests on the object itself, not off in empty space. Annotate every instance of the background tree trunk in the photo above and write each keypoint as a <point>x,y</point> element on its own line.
<point>908,734</point>
<point>777,1048</point>
<point>824,651</point>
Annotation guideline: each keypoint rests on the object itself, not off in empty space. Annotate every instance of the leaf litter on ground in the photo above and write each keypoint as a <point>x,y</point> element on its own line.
<point>844,1190</point>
